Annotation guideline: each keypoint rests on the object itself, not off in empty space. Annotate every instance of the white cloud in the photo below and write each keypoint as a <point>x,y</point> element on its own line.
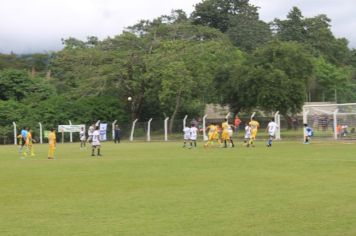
<point>39,25</point>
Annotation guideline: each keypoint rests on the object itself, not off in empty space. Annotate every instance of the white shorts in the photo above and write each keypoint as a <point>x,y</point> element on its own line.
<point>193,138</point>
<point>230,133</point>
<point>186,137</point>
<point>273,134</point>
<point>96,143</point>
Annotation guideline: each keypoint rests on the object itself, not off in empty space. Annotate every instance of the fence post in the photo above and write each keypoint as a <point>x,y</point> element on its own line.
<point>70,133</point>
<point>15,133</point>
<point>149,130</point>
<point>41,133</point>
<point>166,129</point>
<point>278,122</point>
<point>205,137</point>
<point>185,121</point>
<point>335,123</point>
<point>113,129</point>
<point>133,129</point>
<point>253,115</point>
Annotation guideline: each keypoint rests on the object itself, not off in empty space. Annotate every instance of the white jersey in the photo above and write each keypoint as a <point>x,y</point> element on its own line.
<point>96,138</point>
<point>272,128</point>
<point>193,133</point>
<point>82,135</point>
<point>230,131</point>
<point>247,132</point>
<point>91,130</point>
<point>186,131</point>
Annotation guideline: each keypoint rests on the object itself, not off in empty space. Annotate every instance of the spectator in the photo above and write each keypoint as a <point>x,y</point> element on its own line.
<point>237,122</point>
<point>117,134</point>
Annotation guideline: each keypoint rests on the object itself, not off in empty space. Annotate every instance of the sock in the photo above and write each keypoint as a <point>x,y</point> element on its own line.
<point>98,151</point>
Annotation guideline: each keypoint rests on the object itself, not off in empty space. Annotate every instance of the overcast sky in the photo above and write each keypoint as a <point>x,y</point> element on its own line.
<point>38,25</point>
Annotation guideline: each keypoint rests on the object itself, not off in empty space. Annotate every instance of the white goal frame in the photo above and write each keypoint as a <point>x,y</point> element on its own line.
<point>329,109</point>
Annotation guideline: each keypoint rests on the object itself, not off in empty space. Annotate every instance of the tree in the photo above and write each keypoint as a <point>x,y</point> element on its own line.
<point>238,18</point>
<point>315,33</point>
<point>14,84</point>
<point>273,78</point>
<point>293,28</point>
<point>330,79</point>
<point>217,13</point>
<point>248,33</point>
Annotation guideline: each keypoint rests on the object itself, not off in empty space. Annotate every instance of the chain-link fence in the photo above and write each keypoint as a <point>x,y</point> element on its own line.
<point>291,128</point>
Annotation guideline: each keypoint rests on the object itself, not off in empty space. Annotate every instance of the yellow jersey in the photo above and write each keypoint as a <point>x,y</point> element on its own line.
<point>52,138</point>
<point>212,128</point>
<point>225,126</point>
<point>254,125</point>
<point>29,138</point>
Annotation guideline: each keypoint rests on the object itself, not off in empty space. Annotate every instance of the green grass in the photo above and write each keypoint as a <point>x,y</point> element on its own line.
<point>163,189</point>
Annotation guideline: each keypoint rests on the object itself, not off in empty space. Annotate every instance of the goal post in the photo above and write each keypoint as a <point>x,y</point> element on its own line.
<point>331,121</point>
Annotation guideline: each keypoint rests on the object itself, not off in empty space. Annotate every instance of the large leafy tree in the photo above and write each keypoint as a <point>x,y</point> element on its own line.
<point>315,33</point>
<point>19,86</point>
<point>186,71</point>
<point>332,82</point>
<point>238,18</point>
<point>273,78</point>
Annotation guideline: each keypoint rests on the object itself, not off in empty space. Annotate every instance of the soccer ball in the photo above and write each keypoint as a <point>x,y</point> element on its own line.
<point>129,99</point>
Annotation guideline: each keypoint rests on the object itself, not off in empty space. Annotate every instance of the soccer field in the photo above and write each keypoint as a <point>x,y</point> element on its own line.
<point>163,189</point>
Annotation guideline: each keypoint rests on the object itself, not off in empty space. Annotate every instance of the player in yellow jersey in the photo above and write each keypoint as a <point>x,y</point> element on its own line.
<point>212,134</point>
<point>254,128</point>
<point>29,144</point>
<point>225,132</point>
<point>52,143</point>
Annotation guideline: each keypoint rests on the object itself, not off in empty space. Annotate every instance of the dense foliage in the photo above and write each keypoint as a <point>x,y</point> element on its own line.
<point>173,65</point>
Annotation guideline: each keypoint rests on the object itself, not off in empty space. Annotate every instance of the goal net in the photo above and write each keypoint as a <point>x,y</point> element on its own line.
<point>333,121</point>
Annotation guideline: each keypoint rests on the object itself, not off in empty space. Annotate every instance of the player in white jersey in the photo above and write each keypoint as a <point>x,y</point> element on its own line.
<point>271,129</point>
<point>90,132</point>
<point>247,134</point>
<point>96,142</point>
<point>308,133</point>
<point>230,132</point>
<point>82,137</point>
<point>186,135</point>
<point>193,135</point>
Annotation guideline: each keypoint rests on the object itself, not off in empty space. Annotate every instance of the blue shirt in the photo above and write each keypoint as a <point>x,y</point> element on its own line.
<point>24,133</point>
